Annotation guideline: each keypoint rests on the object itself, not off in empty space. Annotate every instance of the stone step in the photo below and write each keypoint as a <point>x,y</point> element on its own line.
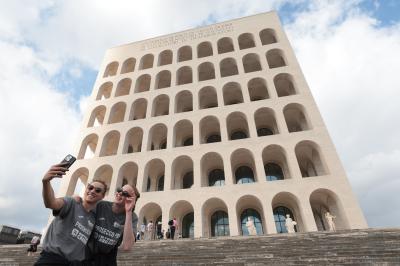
<point>351,247</point>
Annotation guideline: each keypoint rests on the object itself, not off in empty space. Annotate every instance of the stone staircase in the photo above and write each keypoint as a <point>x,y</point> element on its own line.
<point>349,247</point>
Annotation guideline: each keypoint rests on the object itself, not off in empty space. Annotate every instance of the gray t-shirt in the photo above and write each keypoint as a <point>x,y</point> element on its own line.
<point>109,228</point>
<point>69,232</point>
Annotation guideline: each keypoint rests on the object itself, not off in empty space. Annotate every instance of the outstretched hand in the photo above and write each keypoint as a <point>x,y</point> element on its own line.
<point>130,203</point>
<point>57,170</point>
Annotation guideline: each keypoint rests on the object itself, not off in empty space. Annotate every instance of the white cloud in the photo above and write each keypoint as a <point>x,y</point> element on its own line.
<point>351,66</point>
<point>349,61</point>
<point>38,128</point>
<point>85,29</point>
<point>375,178</point>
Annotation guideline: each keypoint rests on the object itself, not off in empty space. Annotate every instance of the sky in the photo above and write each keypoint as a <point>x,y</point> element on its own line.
<point>50,51</point>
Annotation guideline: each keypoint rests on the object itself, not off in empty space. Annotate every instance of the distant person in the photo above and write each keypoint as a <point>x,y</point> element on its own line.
<point>33,246</point>
<point>142,231</point>
<point>68,233</point>
<point>159,230</point>
<point>115,228</point>
<point>174,227</point>
<point>150,227</point>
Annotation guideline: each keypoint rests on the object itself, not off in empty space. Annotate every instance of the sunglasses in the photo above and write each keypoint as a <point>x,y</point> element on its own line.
<point>123,192</point>
<point>96,189</point>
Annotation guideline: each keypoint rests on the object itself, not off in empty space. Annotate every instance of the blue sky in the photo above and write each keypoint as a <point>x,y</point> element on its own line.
<point>51,50</point>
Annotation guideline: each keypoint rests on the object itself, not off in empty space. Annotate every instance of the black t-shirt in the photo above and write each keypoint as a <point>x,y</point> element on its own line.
<point>108,232</point>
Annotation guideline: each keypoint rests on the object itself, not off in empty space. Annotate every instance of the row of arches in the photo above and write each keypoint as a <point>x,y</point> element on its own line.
<point>241,167</point>
<point>185,53</point>
<point>216,214</point>
<point>205,71</point>
<point>257,87</point>
<point>207,98</point>
<point>237,127</point>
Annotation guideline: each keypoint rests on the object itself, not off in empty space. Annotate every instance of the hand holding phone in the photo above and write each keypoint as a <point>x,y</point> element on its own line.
<point>59,170</point>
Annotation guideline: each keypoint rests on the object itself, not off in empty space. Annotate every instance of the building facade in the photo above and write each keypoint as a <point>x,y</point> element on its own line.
<point>215,126</point>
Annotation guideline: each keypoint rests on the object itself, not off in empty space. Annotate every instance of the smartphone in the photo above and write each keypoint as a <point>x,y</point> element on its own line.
<point>68,159</point>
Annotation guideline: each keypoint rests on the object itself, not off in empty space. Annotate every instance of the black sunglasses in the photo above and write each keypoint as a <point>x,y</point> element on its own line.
<point>123,192</point>
<point>96,189</point>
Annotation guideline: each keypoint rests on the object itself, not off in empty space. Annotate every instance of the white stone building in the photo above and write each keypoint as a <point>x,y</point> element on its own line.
<point>214,125</point>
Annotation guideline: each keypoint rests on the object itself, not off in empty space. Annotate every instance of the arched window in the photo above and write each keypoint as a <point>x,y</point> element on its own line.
<point>138,110</point>
<point>228,67</point>
<point>165,58</point>
<point>264,119</point>
<point>157,137</point>
<point>183,102</point>
<point>204,49</point>
<point>309,159</point>
<point>216,178</point>
<point>133,140</point>
<point>251,63</point>
<point>251,214</point>
<point>123,87</point>
<point>117,113</point>
<point>160,105</point>
<point>184,53</point>
<point>273,172</point>
<point>143,83</point>
<point>219,224</point>
<point>275,58</point>
<point>237,126</point>
<point>246,40</point>
<point>183,133</point>
<point>104,91</point>
<point>163,79</point>
<point>97,116</point>
<point>209,130</point>
<point>280,218</point>
<point>154,170</point>
<point>146,61</point>
<point>225,45</point>
<point>188,226</point>
<point>184,75</point>
<point>257,89</point>
<point>232,93</point>
<point>284,85</point>
<point>128,173</point>
<point>206,71</point>
<point>128,65</point>
<point>187,180</point>
<point>244,174</point>
<point>88,147</point>
<point>160,185</point>
<point>295,118</point>
<point>111,69</point>
<point>208,98</point>
<point>267,36</point>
